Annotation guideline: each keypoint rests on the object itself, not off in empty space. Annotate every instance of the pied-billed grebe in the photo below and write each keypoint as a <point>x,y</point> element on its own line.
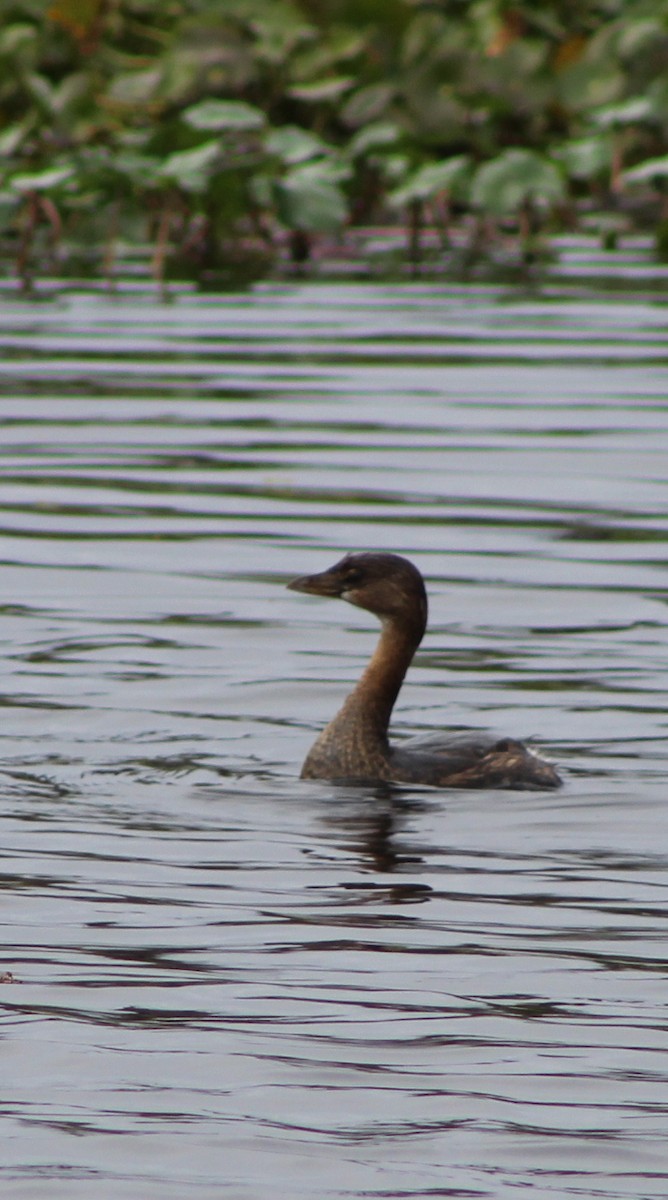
<point>355,745</point>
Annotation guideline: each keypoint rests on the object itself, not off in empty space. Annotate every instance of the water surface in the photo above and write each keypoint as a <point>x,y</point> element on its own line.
<point>227,981</point>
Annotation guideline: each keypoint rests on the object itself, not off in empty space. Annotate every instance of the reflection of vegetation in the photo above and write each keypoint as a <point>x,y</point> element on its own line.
<point>227,131</point>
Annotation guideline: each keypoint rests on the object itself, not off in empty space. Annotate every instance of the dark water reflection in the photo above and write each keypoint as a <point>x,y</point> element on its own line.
<point>228,981</point>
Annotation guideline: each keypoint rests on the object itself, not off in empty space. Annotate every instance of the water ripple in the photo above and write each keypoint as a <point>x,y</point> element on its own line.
<point>266,985</point>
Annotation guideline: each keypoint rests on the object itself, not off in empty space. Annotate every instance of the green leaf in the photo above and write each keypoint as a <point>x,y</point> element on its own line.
<point>393,167</point>
<point>135,87</point>
<point>319,56</point>
<point>373,137</point>
<point>12,136</point>
<point>427,34</point>
<point>191,169</point>
<point>583,158</point>
<point>71,89</point>
<point>41,181</point>
<point>40,90</point>
<point>651,170</point>
<point>629,112</point>
<point>591,82</point>
<point>431,179</point>
<point>292,144</point>
<point>636,36</point>
<point>277,26</point>
<point>503,185</point>
<point>334,169</point>
<point>222,115</point>
<point>308,199</point>
<point>368,104</point>
<point>322,89</point>
<point>18,41</point>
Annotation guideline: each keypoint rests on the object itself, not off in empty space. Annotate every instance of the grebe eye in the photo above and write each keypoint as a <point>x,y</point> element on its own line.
<point>352,577</point>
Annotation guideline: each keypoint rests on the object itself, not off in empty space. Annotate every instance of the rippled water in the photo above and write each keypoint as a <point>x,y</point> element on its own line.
<point>227,982</point>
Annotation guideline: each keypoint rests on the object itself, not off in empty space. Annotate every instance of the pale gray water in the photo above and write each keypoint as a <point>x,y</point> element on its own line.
<point>231,983</point>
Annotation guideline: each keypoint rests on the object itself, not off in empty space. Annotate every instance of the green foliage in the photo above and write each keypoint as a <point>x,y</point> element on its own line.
<point>309,198</point>
<point>653,170</point>
<point>432,179</point>
<point>41,181</point>
<point>627,112</point>
<point>229,123</point>
<point>585,158</point>
<point>514,179</point>
<point>190,169</point>
<point>222,115</point>
<point>292,144</point>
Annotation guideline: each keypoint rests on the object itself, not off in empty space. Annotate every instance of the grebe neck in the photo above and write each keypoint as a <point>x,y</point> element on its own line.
<point>371,702</point>
<point>355,742</point>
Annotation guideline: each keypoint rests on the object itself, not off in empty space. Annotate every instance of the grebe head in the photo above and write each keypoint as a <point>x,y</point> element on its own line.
<point>385,584</point>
